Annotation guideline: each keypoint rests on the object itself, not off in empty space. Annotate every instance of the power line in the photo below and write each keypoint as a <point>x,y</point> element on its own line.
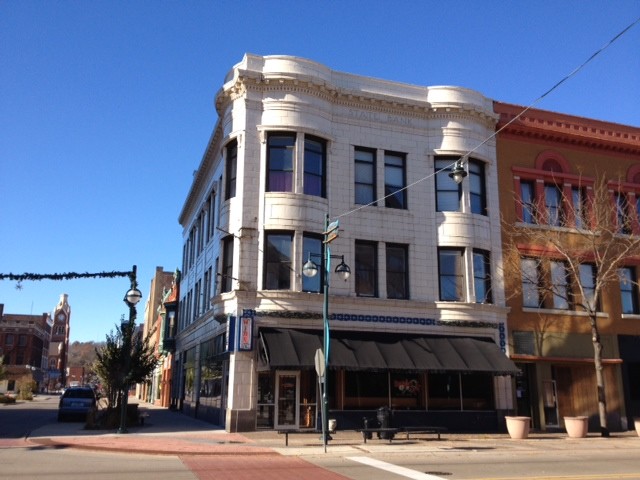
<point>494,134</point>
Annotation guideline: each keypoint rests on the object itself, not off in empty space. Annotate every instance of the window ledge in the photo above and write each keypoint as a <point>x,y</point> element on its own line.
<point>630,316</point>
<point>554,311</point>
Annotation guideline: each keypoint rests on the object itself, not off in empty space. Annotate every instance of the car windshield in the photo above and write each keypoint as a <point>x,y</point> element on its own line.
<point>78,393</point>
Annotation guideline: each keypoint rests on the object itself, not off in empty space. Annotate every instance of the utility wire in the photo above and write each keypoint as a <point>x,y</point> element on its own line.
<point>494,134</point>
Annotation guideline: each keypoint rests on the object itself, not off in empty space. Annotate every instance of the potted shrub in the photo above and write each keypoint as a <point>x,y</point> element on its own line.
<point>577,427</point>
<point>518,427</point>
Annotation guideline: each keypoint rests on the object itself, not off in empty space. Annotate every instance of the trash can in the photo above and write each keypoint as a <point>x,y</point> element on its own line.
<point>384,417</point>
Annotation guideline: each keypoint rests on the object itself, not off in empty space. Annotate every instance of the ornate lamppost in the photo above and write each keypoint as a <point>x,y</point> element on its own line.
<point>310,269</point>
<point>131,298</point>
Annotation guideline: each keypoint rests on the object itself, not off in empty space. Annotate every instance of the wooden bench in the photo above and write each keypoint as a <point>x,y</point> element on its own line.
<point>423,429</point>
<point>389,430</point>
<point>288,431</point>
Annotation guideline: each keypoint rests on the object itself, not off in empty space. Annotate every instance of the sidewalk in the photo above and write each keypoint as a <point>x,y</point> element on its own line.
<point>166,432</point>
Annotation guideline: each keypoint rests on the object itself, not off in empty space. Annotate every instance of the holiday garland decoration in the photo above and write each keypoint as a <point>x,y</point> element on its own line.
<point>19,278</point>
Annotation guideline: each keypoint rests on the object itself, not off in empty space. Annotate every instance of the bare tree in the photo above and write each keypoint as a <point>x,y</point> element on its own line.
<point>589,239</point>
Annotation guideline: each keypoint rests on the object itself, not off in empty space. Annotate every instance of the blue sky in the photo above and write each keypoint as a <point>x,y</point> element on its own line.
<point>106,108</point>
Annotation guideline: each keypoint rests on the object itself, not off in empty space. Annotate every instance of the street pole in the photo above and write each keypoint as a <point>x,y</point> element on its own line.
<point>326,336</point>
<point>131,298</point>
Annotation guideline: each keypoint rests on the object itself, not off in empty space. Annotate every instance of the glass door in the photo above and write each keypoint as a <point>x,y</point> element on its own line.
<point>287,387</point>
<point>550,403</point>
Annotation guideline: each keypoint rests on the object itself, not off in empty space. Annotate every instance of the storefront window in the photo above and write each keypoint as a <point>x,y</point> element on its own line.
<point>407,391</point>
<point>366,390</point>
<point>444,391</point>
<point>266,399</point>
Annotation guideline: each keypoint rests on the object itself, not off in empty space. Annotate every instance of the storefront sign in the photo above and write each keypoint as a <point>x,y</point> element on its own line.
<point>245,339</point>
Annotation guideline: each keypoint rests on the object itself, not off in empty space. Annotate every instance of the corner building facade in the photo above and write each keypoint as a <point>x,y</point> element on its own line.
<point>419,327</point>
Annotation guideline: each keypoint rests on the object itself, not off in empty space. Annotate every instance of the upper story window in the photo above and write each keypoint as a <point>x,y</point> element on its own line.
<point>8,339</point>
<point>477,187</point>
<point>397,271</point>
<point>588,282</point>
<point>277,261</point>
<point>395,180</point>
<point>624,214</point>
<point>365,176</point>
<point>530,271</point>
<point>211,209</point>
<point>366,269</point>
<point>280,160</point>
<point>231,169</point>
<point>629,290</point>
<point>482,276</point>
<point>559,285</point>
<point>451,274</point>
<point>314,166</point>
<point>312,249</point>
<point>550,195</point>
<point>226,273</point>
<point>448,192</point>
<point>282,164</point>
<point>22,341</point>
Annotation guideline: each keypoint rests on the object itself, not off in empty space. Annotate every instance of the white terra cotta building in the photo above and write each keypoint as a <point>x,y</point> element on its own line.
<point>420,325</point>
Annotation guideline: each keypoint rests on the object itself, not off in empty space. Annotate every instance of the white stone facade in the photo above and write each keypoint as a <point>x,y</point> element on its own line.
<point>262,95</point>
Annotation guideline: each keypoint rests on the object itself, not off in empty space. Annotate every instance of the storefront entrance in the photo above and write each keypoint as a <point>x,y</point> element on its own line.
<point>287,387</point>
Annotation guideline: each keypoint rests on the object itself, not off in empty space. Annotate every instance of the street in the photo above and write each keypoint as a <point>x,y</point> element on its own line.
<point>457,457</point>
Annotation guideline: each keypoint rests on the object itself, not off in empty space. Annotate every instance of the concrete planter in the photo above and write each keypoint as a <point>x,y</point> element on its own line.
<point>518,427</point>
<point>577,427</point>
<point>637,424</point>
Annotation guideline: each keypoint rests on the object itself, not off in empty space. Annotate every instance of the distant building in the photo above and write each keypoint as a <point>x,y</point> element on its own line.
<point>153,325</point>
<point>59,345</point>
<point>24,346</point>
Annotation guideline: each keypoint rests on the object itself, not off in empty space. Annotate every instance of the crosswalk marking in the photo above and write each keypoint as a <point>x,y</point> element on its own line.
<point>389,467</point>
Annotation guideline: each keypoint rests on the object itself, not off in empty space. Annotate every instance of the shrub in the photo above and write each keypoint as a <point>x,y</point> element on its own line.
<point>7,399</point>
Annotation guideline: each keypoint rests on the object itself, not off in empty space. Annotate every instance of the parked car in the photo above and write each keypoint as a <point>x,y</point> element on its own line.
<point>76,402</point>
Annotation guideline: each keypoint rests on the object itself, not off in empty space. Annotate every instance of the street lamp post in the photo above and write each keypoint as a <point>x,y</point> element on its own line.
<point>131,298</point>
<point>310,269</point>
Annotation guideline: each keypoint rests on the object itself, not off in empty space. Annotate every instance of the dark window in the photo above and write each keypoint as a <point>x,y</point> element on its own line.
<point>277,261</point>
<point>394,180</point>
<point>448,192</point>
<point>231,167</point>
<point>397,271</point>
<point>622,213</point>
<point>530,282</point>
<point>312,244</point>
<point>482,276</point>
<point>477,190</point>
<point>553,205</point>
<point>451,274</point>
<point>227,265</point>
<point>629,290</point>
<point>8,338</point>
<point>366,269</point>
<point>444,391</point>
<point>280,159</point>
<point>314,166</point>
<point>527,197</point>
<point>365,390</point>
<point>588,282</point>
<point>559,284</point>
<point>365,176</point>
<point>578,201</point>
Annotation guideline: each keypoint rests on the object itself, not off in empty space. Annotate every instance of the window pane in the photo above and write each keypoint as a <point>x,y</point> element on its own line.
<point>578,201</point>
<point>397,272</point>
<point>528,202</point>
<point>364,176</point>
<point>448,192</point>
<point>227,265</point>
<point>394,179</point>
<point>278,261</point>
<point>280,156</point>
<point>231,168</point>
<point>560,285</point>
<point>314,166</point>
<point>477,188</point>
<point>628,290</point>
<point>366,269</point>
<point>530,290</point>
<point>552,200</point>
<point>451,278</point>
<point>587,280</point>
<point>312,245</point>
<point>481,277</point>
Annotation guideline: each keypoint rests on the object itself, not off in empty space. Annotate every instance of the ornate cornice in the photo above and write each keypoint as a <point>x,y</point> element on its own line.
<point>542,125</point>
